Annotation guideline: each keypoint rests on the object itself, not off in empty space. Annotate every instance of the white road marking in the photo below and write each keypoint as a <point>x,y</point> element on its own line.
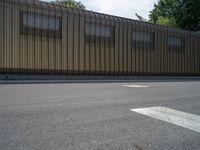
<point>176,117</point>
<point>136,86</point>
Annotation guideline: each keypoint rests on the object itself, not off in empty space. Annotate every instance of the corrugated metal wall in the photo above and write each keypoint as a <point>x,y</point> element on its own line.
<point>46,52</point>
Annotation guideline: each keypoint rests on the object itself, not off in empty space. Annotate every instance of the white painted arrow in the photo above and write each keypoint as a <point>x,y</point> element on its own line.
<point>176,117</point>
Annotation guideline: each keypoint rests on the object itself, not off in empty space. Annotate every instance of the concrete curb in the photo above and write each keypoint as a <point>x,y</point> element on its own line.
<point>36,79</point>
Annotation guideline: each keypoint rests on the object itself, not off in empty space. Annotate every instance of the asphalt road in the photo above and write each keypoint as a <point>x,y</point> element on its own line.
<point>95,116</point>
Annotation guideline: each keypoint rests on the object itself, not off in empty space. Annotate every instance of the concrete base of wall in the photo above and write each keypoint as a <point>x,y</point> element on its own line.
<point>19,78</point>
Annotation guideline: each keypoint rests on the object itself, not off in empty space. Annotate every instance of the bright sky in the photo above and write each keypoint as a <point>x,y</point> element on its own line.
<point>123,8</point>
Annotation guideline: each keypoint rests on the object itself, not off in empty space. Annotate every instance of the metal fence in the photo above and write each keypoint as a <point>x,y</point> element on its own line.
<point>38,37</point>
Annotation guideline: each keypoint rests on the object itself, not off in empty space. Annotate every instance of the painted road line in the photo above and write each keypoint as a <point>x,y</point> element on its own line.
<point>176,117</point>
<point>136,86</point>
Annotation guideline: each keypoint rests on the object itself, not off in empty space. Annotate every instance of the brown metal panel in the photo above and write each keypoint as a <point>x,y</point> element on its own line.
<point>21,50</point>
<point>133,48</point>
<point>150,59</point>
<point>162,61</point>
<point>145,50</point>
<point>155,67</point>
<point>52,48</point>
<point>153,51</point>
<point>186,53</point>
<point>1,36</point>
<point>87,45</point>
<point>195,55</point>
<point>58,49</point>
<point>125,50</point>
<point>111,47</point>
<point>198,54</point>
<point>141,50</point>
<point>165,56</point>
<point>181,55</point>
<point>137,50</point>
<point>65,41</point>
<point>7,37</point>
<point>82,43</point>
<point>16,27</point>
<point>174,55</point>
<point>70,42</point>
<point>190,67</point>
<point>76,40</point>
<point>191,55</point>
<point>41,52</point>
<point>41,45</point>
<point>107,48</point>
<point>160,51</point>
<point>12,57</point>
<point>34,56</point>
<point>102,48</point>
<point>121,54</point>
<point>11,38</point>
<point>172,65</point>
<point>58,58</point>
<point>30,43</point>
<point>129,53</point>
<point>168,59</point>
<point>92,46</point>
<point>168,53</point>
<point>116,50</point>
<point>63,61</point>
<point>198,48</point>
<point>52,54</point>
<point>97,44</point>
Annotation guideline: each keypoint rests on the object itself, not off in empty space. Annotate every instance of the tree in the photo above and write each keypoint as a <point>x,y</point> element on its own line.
<point>166,21</point>
<point>69,3</point>
<point>184,14</point>
<point>189,15</point>
<point>164,12</point>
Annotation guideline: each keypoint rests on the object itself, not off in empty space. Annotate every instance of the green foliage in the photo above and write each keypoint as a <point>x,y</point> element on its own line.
<point>166,21</point>
<point>70,3</point>
<point>184,14</point>
<point>190,15</point>
<point>164,13</point>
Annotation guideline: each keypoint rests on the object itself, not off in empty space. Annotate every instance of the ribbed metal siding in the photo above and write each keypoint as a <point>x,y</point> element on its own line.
<point>70,54</point>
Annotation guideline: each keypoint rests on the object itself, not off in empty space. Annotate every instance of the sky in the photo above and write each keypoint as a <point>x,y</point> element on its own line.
<point>122,8</point>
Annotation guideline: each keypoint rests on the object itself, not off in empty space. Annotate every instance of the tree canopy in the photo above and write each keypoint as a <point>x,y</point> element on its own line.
<point>69,3</point>
<point>184,14</point>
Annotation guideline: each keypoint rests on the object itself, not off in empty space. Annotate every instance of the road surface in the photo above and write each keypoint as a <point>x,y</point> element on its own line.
<point>98,116</point>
